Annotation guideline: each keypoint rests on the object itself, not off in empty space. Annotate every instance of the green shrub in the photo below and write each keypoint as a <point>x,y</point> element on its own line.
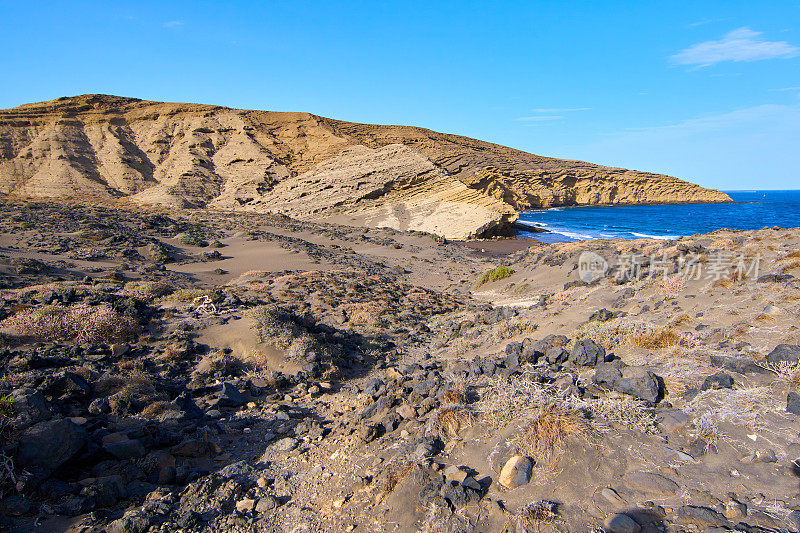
<point>495,274</point>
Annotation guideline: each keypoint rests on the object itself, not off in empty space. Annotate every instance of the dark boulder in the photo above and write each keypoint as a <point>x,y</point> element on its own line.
<point>720,380</point>
<point>586,352</point>
<point>48,445</point>
<point>788,353</point>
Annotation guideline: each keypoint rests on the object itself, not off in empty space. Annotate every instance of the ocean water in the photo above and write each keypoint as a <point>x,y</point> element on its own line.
<point>750,210</point>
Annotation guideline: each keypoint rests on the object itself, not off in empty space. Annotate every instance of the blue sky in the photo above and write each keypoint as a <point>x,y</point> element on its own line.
<point>706,91</point>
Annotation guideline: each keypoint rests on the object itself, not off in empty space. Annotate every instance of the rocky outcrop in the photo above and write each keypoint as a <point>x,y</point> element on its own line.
<point>302,165</point>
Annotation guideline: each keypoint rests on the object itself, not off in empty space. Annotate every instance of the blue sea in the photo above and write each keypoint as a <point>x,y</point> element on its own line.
<point>750,210</point>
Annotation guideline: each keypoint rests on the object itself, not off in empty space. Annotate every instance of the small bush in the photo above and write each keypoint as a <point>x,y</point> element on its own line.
<point>189,295</point>
<point>145,290</point>
<point>530,516</point>
<point>190,239</point>
<point>80,323</point>
<point>495,274</point>
<point>6,407</point>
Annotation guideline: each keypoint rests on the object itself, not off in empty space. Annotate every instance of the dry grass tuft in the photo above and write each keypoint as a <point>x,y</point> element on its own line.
<point>154,410</point>
<point>508,400</point>
<point>655,339</point>
<point>449,421</point>
<point>619,331</point>
<point>792,265</point>
<point>549,430</point>
<point>396,473</point>
<point>454,396</point>
<point>562,295</point>
<point>628,412</point>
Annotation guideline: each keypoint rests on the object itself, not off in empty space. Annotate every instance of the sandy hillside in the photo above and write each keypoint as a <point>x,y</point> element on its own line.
<point>185,370</point>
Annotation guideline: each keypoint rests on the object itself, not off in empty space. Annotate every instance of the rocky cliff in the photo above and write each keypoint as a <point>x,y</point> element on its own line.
<point>303,165</point>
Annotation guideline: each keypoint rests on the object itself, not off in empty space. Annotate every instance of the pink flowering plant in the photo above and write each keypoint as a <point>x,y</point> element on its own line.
<point>80,323</point>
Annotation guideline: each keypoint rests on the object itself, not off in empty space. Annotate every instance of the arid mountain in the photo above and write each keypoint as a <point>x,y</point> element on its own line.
<point>303,165</point>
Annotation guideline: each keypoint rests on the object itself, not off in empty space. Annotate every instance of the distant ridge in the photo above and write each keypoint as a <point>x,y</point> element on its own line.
<point>303,165</point>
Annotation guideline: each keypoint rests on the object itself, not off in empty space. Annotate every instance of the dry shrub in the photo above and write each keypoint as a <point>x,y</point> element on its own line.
<point>748,406</point>
<point>626,411</point>
<point>440,519</point>
<point>110,384</point>
<point>549,430</point>
<point>189,295</point>
<point>81,323</point>
<point>787,371</point>
<point>259,360</point>
<point>655,339</point>
<point>449,421</point>
<point>131,391</point>
<point>147,290</point>
<point>513,328</point>
<point>366,313</point>
<point>528,517</point>
<point>155,409</point>
<point>707,428</point>
<point>462,346</point>
<point>508,400</point>
<point>619,331</point>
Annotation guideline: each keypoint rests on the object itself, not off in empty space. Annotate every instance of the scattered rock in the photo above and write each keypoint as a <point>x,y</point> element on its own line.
<point>230,396</point>
<point>793,403</point>
<point>516,472</point>
<point>650,482</point>
<point>622,523</point>
<point>702,516</point>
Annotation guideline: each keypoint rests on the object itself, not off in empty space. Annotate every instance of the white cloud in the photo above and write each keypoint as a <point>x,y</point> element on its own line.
<point>546,114</point>
<point>742,44</point>
<point>539,118</point>
<point>173,23</point>
<point>560,109</point>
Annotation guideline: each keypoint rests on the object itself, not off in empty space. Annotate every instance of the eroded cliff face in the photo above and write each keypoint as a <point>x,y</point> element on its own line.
<point>309,167</point>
